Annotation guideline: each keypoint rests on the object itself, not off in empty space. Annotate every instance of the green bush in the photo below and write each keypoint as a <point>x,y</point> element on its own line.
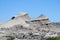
<point>11,38</point>
<point>53,38</point>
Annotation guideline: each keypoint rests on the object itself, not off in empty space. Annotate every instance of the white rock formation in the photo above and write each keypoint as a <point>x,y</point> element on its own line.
<point>15,21</point>
<point>38,26</point>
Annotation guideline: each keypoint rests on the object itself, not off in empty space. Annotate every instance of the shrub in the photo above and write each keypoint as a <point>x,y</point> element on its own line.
<point>10,38</point>
<point>53,38</point>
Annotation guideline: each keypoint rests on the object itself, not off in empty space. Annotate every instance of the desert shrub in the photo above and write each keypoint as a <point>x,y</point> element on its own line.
<point>53,38</point>
<point>11,38</point>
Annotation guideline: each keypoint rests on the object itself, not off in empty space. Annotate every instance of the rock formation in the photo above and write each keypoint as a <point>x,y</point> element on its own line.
<point>22,26</point>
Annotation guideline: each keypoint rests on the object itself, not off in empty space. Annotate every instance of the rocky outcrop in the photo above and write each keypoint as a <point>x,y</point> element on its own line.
<point>23,27</point>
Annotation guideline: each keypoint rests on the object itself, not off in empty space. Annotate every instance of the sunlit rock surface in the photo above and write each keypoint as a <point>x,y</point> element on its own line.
<point>23,27</point>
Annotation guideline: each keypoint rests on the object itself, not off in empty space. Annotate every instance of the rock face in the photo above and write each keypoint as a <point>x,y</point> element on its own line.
<point>23,27</point>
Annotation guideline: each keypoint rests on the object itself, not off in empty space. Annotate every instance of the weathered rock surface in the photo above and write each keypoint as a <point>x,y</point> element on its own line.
<point>22,27</point>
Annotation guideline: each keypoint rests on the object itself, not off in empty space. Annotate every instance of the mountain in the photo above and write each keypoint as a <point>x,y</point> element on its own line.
<point>21,25</point>
<point>57,24</point>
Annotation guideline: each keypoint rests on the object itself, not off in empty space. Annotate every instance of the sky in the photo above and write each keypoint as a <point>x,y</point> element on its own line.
<point>50,8</point>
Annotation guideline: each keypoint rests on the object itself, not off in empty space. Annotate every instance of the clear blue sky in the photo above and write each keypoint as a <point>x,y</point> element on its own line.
<point>50,8</point>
